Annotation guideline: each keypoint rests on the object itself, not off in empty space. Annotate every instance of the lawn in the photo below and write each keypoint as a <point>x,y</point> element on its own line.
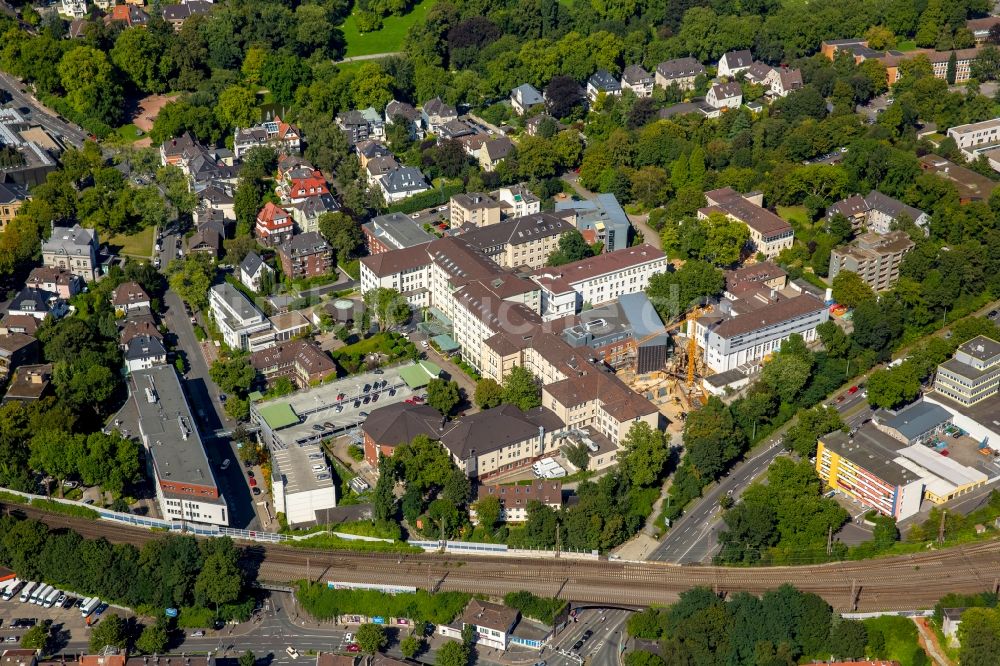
<point>127,134</point>
<point>900,637</point>
<point>906,45</point>
<point>794,214</point>
<point>139,244</point>
<point>386,40</point>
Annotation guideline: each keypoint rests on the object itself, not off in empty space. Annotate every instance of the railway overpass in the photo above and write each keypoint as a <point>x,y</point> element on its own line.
<point>896,583</point>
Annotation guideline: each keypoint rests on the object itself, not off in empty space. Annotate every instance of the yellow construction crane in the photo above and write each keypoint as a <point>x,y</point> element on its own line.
<point>692,346</point>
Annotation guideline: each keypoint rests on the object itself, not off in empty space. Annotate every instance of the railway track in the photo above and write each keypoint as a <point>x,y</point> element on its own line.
<point>898,583</point>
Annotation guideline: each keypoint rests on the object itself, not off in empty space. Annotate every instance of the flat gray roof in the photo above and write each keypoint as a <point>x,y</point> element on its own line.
<point>919,418</point>
<point>168,429</point>
<point>873,450</point>
<point>296,466</point>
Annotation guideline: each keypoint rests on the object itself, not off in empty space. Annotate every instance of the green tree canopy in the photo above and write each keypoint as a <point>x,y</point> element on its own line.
<point>521,388</point>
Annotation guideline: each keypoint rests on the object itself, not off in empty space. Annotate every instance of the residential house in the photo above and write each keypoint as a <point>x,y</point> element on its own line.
<point>134,327</point>
<point>401,183</point>
<point>733,62</point>
<point>876,211</point>
<point>875,258</point>
<point>524,97</point>
<point>638,80</point>
<point>458,129</point>
<point>680,72</point>
<point>254,273</point>
<point>601,218</point>
<point>307,212</point>
<point>597,280</point>
<point>492,151</point>
<point>131,15</point>
<point>29,383</point>
<point>355,125</point>
<point>378,168</point>
<point>289,326</point>
<point>36,303</point>
<point>76,9</point>
<point>435,113</point>
<point>241,323</point>
<point>757,74</point>
<point>143,352</point>
<point>77,28</point>
<point>725,95</point>
<point>514,498</point>
<point>602,81</point>
<point>782,81</point>
<point>12,197</point>
<point>176,15</point>
<point>474,208</point>
<point>285,138</point>
<point>296,190</point>
<point>129,297</point>
<point>397,424</point>
<point>274,225</point>
<point>393,231</point>
<point>533,125</point>
<point>521,241</point>
<point>206,240</point>
<point>58,281</point>
<point>401,111</point>
<point>73,248</point>
<point>517,200</point>
<point>368,149</point>
<point>16,349</point>
<point>769,234</point>
<point>492,624</point>
<point>305,255</point>
<point>18,324</point>
<point>302,361</point>
<point>218,197</point>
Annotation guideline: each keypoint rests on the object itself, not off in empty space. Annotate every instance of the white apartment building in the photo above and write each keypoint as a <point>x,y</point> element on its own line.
<point>241,323</point>
<point>518,201</point>
<point>406,270</point>
<point>597,280</point>
<point>977,138</point>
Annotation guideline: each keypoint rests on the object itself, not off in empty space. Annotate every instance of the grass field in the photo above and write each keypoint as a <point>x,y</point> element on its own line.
<point>900,637</point>
<point>907,45</point>
<point>386,40</point>
<point>794,214</point>
<point>136,245</point>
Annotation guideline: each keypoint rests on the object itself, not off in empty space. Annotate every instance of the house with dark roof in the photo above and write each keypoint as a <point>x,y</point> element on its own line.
<point>252,271</point>
<point>57,281</point>
<point>29,383</point>
<point>514,498</point>
<point>12,197</point>
<point>302,361</point>
<point>368,149</point>
<point>769,234</point>
<point>602,81</point>
<point>401,183</point>
<point>18,324</point>
<point>144,351</point>
<point>135,327</point>
<point>305,255</point>
<point>435,113</point>
<point>129,296</point>
<point>638,80</point>
<point>680,72</point>
<point>757,73</point>
<point>783,80</point>
<point>396,424</point>
<point>401,111</point>
<point>877,212</point>
<point>37,303</point>
<point>725,95</point>
<point>284,137</point>
<point>16,349</point>
<point>733,62</point>
<point>524,97</point>
<point>307,212</point>
<point>206,240</point>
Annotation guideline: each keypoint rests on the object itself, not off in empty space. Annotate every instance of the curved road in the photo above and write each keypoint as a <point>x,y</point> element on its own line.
<point>898,583</point>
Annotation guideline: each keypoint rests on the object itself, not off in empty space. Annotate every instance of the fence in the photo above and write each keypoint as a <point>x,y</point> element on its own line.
<point>502,550</point>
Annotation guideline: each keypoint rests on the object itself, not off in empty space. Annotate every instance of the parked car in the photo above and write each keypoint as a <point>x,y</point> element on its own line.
<point>225,464</point>
<point>255,490</point>
<point>198,634</point>
<point>253,482</point>
<point>363,415</point>
<point>348,637</point>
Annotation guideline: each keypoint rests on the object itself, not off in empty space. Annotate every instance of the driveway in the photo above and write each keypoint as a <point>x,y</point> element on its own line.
<point>639,222</point>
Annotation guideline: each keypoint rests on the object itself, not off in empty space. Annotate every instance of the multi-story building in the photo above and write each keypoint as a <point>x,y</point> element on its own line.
<point>725,95</point>
<point>524,97</point>
<point>600,401</point>
<point>752,321</point>
<point>143,352</point>
<point>305,255</point>
<point>679,71</point>
<point>274,225</point>
<point>600,82</point>
<point>638,80</point>
<point>12,197</point>
<point>874,257</point>
<point>600,220</point>
<point>301,361</point>
<point>241,323</point>
<point>73,248</point>
<point>877,212</point>
<point>475,208</point>
<point>597,280</point>
<point>971,186</point>
<point>406,270</point>
<point>520,242</point>
<point>58,281</point>
<point>397,424</point>
<point>254,273</point>
<point>186,488</point>
<point>769,234</point>
<point>972,374</point>
<point>281,136</point>
<point>514,498</point>
<point>980,28</point>
<point>975,138</point>
<point>129,297</point>
<point>888,475</point>
<point>733,62</point>
<point>393,231</point>
<point>436,113</point>
<point>626,334</point>
<point>517,201</point>
<point>16,349</point>
<point>307,212</point>
<point>401,183</point>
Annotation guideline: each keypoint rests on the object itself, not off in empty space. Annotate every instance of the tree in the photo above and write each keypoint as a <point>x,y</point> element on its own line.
<point>834,340</point>
<point>849,638</point>
<point>673,293</point>
<point>383,497</point>
<point>411,646</point>
<point>521,388</point>
<point>572,247</point>
<point>233,375</point>
<point>443,395</point>
<point>891,388</point>
<point>979,636</point>
<point>237,107</point>
<point>850,290</point>
<point>711,439</point>
<point>811,424</point>
<point>726,240</point>
<point>248,658</point>
<point>191,278</point>
<point>952,70</point>
<point>342,233</point>
<point>90,85</point>
<point>36,638</point>
<point>488,393</point>
<point>110,631</point>
<point>787,374</point>
<point>220,579</point>
<point>153,639</point>
<point>488,512</point>
<point>371,86</point>
<point>389,307</point>
<point>562,96</point>
<point>880,38</point>
<point>371,638</point>
<point>644,456</point>
<point>452,653</point>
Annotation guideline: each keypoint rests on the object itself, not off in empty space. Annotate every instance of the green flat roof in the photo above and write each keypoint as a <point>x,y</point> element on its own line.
<point>446,343</point>
<point>418,374</point>
<point>280,415</point>
<point>255,396</point>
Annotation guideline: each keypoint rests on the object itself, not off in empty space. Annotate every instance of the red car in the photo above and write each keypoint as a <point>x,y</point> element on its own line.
<point>410,401</point>
<point>852,390</point>
<point>253,482</point>
<point>340,396</point>
<point>354,647</point>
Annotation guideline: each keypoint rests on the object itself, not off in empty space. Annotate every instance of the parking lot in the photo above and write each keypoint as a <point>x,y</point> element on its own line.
<point>66,623</point>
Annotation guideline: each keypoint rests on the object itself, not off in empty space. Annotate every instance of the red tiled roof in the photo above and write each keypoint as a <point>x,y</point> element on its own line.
<point>273,217</point>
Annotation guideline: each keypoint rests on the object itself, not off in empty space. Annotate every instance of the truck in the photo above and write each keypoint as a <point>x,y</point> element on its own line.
<point>84,602</point>
<point>50,598</point>
<point>13,587</point>
<point>38,596</point>
<point>89,607</point>
<point>26,592</point>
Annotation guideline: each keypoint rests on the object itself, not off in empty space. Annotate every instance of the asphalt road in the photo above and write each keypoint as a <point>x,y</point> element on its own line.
<point>39,115</point>
<point>601,649</point>
<point>203,395</point>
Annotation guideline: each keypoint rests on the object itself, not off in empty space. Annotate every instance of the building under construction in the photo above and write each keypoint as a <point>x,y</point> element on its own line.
<point>628,335</point>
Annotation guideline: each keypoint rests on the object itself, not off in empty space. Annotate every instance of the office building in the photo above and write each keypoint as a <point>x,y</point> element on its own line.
<point>874,257</point>
<point>393,231</point>
<point>475,208</point>
<point>972,374</point>
<point>520,242</point>
<point>241,323</point>
<point>600,220</point>
<point>186,488</point>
